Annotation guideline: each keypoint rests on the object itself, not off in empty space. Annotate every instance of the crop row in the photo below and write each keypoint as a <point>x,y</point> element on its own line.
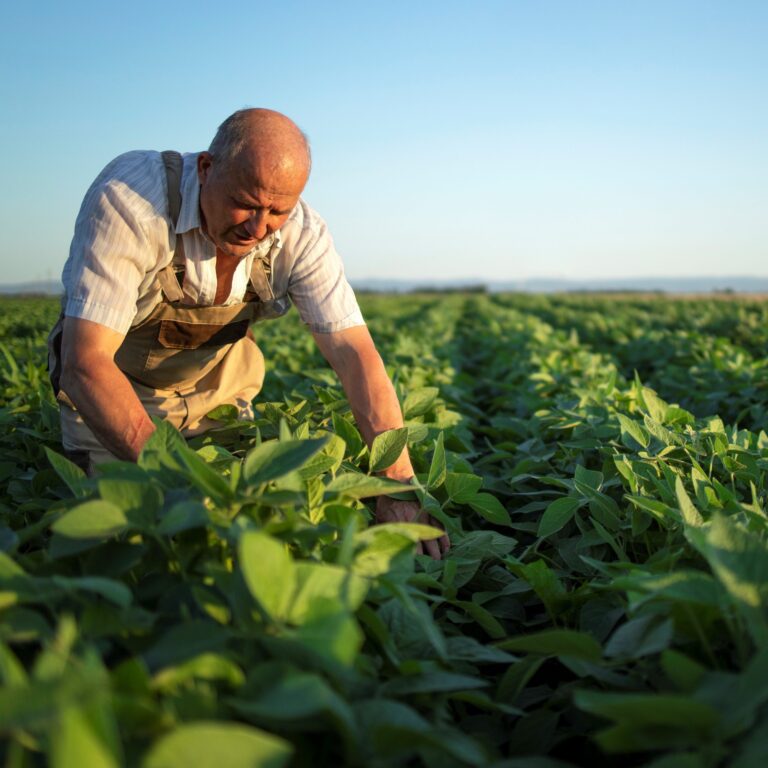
<point>603,603</point>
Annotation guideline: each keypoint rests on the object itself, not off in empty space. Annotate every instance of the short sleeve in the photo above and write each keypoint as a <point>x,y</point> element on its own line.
<point>317,284</point>
<point>111,249</point>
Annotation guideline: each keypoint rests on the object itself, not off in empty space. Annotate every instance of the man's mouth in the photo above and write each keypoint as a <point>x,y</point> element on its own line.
<point>243,239</point>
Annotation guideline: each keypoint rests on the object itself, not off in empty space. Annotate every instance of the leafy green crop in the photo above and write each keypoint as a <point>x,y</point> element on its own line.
<point>600,466</point>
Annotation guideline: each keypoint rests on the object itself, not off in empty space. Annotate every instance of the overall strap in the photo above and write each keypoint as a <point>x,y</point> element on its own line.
<point>261,272</point>
<point>173,164</point>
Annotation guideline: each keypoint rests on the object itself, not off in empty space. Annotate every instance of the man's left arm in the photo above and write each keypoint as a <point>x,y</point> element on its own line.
<point>353,355</point>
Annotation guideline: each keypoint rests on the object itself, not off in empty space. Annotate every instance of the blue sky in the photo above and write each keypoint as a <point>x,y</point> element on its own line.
<point>487,140</point>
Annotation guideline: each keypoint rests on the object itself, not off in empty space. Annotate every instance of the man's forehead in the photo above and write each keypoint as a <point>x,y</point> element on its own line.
<point>266,198</point>
<point>275,172</point>
<point>250,192</point>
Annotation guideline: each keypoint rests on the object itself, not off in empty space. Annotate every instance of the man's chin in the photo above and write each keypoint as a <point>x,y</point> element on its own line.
<point>237,250</point>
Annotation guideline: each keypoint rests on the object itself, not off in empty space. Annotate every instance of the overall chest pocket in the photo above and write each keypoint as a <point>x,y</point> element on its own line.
<point>180,334</point>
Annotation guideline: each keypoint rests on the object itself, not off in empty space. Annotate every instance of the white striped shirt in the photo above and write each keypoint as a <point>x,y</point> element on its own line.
<point>124,236</point>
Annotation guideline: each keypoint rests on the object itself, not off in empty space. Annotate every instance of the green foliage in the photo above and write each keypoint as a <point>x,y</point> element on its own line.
<point>599,464</point>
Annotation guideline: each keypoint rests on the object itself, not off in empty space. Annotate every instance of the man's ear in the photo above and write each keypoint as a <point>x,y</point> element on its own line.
<point>204,165</point>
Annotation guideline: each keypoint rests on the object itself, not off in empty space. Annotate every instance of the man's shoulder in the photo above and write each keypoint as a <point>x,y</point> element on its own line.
<point>304,220</point>
<point>143,162</point>
<point>136,177</point>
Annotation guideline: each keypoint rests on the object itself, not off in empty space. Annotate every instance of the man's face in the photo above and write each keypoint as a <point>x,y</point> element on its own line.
<point>244,201</point>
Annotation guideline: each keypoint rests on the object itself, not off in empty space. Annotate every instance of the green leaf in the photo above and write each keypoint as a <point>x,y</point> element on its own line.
<point>739,560</point>
<point>466,648</point>
<point>556,642</point>
<point>219,744</point>
<point>665,436</point>
<point>9,567</point>
<point>381,551</point>
<point>484,618</point>
<point>431,682</point>
<point>544,582</point>
<point>668,710</point>
<point>225,413</point>
<point>419,401</point>
<point>86,734</point>
<point>204,476</point>
<point>411,531</point>
<point>517,677</point>
<point>81,736</point>
<point>658,509</point>
<point>557,515</point>
<point>183,516</point>
<point>92,520</point>
<point>437,469</point>
<point>296,697</point>
<point>687,586</point>
<point>335,449</point>
<point>684,672</point>
<point>356,485</point>
<point>269,572</point>
<point>482,545</point>
<point>57,685</point>
<point>12,672</point>
<point>461,487</point>
<point>739,697</point>
<point>691,515</point>
<point>490,508</point>
<point>318,585</point>
<point>632,434</point>
<point>185,640</point>
<point>165,441</point>
<point>274,459</point>
<point>386,448</point>
<point>640,636</point>
<point>112,590</point>
<point>69,472</point>
<point>412,625</point>
<point>139,500</point>
<point>206,666</point>
<point>417,433</point>
<point>348,433</point>
<point>395,731</point>
<point>336,635</point>
<point>588,477</point>
<point>654,405</point>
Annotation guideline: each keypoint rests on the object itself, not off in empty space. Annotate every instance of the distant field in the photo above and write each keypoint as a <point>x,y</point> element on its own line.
<point>598,460</point>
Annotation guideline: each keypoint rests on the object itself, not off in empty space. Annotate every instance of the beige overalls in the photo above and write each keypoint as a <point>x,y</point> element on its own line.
<point>181,360</point>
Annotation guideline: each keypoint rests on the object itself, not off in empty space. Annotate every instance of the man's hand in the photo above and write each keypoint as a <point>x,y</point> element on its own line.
<point>353,355</point>
<point>393,511</point>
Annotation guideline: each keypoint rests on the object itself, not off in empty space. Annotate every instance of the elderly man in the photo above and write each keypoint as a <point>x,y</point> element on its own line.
<point>172,259</point>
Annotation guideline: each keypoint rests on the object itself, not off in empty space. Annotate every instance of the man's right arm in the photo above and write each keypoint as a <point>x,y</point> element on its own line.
<point>99,389</point>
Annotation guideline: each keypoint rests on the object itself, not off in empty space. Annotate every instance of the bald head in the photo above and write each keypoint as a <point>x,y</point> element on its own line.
<point>251,179</point>
<point>265,140</point>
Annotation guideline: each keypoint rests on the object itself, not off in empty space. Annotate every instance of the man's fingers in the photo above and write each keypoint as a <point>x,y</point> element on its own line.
<point>433,550</point>
<point>390,511</point>
<point>443,543</point>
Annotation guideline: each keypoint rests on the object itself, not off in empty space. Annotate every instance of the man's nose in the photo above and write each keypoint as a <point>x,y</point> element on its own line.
<point>257,224</point>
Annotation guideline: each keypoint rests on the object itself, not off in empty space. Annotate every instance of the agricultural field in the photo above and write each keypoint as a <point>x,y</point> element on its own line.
<point>599,463</point>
